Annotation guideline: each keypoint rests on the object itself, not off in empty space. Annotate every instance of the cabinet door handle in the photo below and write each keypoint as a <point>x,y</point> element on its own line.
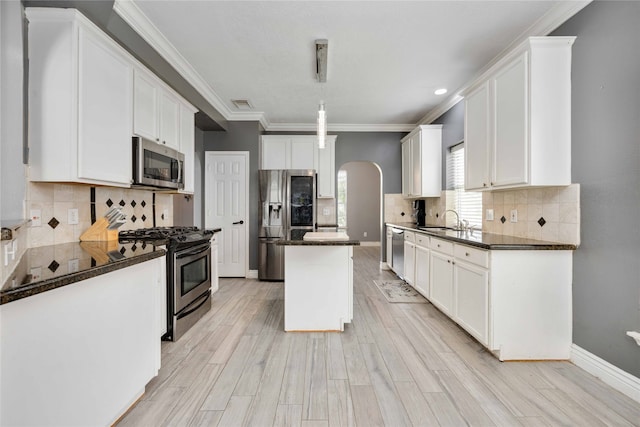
<point>449,261</point>
<point>466,254</point>
<point>238,222</point>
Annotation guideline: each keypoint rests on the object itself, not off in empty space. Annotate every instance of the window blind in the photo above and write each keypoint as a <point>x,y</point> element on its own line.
<point>468,204</point>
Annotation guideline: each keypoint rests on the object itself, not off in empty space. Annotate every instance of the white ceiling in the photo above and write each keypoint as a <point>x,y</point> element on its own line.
<point>385,58</point>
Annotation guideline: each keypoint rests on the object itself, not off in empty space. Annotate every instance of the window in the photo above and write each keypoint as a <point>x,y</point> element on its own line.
<point>468,204</point>
<point>342,199</point>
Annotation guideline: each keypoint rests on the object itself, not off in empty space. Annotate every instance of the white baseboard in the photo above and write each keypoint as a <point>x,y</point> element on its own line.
<point>384,266</point>
<point>622,381</point>
<point>252,274</point>
<point>369,243</point>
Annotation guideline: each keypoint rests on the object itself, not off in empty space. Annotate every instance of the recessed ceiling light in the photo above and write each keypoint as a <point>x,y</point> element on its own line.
<point>242,104</point>
<point>440,91</point>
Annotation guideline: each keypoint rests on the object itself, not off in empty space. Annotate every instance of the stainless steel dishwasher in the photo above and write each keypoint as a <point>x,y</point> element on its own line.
<point>397,251</point>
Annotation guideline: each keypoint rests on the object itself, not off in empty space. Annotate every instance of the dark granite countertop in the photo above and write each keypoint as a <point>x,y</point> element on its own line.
<point>488,240</point>
<point>296,238</point>
<point>49,267</point>
<point>318,242</point>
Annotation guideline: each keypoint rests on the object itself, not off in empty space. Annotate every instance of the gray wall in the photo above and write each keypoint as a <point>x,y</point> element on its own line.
<point>382,148</point>
<point>452,133</point>
<point>606,163</point>
<point>240,136</point>
<point>12,172</point>
<point>363,201</point>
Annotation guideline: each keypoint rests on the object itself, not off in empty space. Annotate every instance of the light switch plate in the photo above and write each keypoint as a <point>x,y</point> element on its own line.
<point>72,216</point>
<point>489,215</point>
<point>74,264</point>
<point>326,211</point>
<point>514,215</point>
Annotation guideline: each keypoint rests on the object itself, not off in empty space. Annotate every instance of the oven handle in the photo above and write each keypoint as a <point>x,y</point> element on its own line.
<point>188,312</point>
<point>197,250</point>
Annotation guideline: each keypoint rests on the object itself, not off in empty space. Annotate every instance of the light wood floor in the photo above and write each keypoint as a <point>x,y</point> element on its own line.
<point>395,365</point>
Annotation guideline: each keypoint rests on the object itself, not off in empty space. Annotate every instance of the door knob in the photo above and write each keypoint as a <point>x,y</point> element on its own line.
<point>238,222</point>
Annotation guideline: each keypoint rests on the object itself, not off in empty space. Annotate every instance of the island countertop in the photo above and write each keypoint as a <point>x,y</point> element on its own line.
<point>486,240</point>
<point>297,239</point>
<point>45,268</point>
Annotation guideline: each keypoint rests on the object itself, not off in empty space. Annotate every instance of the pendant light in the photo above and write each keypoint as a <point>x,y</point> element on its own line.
<point>322,46</point>
<point>322,125</point>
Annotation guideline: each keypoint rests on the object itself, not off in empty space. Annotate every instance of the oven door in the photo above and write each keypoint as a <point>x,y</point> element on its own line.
<point>192,275</point>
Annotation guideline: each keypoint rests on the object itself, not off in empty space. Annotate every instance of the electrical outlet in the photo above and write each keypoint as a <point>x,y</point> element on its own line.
<point>36,274</point>
<point>489,215</point>
<point>73,265</point>
<point>326,211</point>
<point>514,215</point>
<point>365,234</point>
<point>36,217</point>
<point>72,216</point>
<point>430,212</point>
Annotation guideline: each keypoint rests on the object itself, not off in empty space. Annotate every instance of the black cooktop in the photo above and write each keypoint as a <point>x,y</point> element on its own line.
<point>172,236</point>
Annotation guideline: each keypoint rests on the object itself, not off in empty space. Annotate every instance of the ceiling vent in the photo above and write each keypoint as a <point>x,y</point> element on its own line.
<point>242,104</point>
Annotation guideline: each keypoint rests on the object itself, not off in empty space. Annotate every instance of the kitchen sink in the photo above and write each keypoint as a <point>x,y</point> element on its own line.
<point>435,228</point>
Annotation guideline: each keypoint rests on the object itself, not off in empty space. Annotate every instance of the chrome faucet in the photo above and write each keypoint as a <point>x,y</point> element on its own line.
<point>458,223</point>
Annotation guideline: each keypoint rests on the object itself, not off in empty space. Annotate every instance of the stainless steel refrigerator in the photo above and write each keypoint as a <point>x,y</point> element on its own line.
<point>287,210</point>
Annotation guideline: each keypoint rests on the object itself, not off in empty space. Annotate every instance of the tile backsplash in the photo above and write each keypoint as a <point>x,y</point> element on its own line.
<point>92,202</point>
<point>397,208</point>
<point>550,213</point>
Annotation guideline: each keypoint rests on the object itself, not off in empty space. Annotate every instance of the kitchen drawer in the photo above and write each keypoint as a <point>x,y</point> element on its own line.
<point>409,236</point>
<point>422,240</point>
<point>472,255</point>
<point>442,246</point>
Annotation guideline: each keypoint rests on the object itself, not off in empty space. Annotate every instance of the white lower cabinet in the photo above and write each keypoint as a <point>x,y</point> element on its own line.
<point>409,257</point>
<point>441,294</point>
<point>83,353</point>
<point>517,303</point>
<point>422,269</point>
<point>471,288</point>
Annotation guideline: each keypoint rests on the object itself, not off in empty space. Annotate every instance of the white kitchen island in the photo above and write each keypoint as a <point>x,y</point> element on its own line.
<point>318,282</point>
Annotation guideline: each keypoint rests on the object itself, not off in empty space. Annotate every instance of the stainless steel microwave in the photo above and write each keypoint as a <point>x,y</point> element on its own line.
<point>157,165</point>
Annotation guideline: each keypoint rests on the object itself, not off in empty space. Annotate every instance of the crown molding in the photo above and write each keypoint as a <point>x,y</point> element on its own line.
<point>141,24</point>
<point>551,20</point>
<point>338,127</point>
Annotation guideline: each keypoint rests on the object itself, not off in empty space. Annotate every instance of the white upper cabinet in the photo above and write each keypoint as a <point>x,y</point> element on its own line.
<point>422,162</point>
<point>169,120</point>
<point>187,146</point>
<point>156,112</point>
<point>304,153</point>
<point>275,152</point>
<point>518,120</point>
<point>146,101</point>
<point>87,97</point>
<point>301,152</point>
<point>80,98</point>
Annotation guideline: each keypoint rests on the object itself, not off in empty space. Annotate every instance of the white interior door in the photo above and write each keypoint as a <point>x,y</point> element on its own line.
<point>226,204</point>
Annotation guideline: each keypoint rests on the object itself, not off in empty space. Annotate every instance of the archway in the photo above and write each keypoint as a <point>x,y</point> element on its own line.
<point>361,211</point>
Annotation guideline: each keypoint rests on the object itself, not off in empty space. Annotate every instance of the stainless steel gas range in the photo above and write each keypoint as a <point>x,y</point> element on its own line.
<point>188,272</point>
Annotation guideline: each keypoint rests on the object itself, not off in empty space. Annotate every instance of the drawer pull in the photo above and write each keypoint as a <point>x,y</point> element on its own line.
<point>438,245</point>
<point>467,254</point>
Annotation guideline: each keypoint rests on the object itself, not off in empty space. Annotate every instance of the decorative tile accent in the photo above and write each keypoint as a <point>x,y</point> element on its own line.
<point>542,221</point>
<point>133,203</point>
<point>122,250</point>
<point>144,217</point>
<point>53,266</point>
<point>134,247</point>
<point>143,203</point>
<point>503,219</point>
<point>134,219</point>
<point>122,203</point>
<point>53,222</point>
<point>109,202</point>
